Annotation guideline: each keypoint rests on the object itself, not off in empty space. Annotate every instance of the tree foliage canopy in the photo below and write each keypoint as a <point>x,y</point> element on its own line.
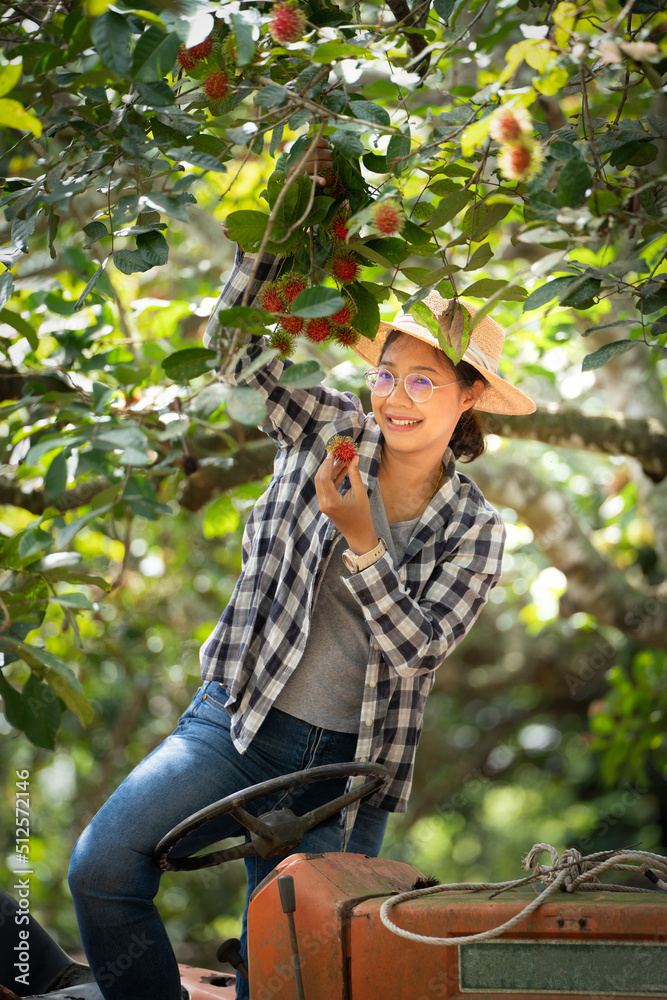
<point>521,149</point>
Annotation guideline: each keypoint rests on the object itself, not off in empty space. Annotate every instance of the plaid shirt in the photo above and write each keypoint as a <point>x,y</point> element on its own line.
<point>416,612</point>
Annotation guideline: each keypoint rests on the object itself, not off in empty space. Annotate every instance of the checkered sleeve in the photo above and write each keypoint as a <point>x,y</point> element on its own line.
<point>414,635</point>
<point>290,412</point>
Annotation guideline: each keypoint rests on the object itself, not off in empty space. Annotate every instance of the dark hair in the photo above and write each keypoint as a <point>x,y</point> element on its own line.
<point>467,440</point>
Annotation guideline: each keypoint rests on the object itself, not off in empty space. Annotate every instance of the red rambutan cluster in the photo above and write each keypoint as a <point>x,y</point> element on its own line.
<point>277,297</point>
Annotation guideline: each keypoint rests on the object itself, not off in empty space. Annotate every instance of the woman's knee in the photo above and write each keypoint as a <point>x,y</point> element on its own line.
<point>100,866</point>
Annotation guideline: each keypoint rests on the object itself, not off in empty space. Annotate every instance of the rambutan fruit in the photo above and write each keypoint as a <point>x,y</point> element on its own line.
<point>292,325</point>
<point>344,315</point>
<point>387,217</point>
<point>338,227</point>
<point>509,124</point>
<point>342,448</point>
<point>333,184</point>
<point>215,85</point>
<point>288,22</point>
<point>346,336</point>
<point>292,285</point>
<point>344,266</point>
<point>188,58</point>
<point>271,298</point>
<point>520,161</point>
<point>281,341</point>
<point>318,329</point>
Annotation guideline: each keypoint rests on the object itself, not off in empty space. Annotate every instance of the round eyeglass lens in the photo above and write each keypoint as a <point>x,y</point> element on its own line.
<point>418,387</point>
<point>381,382</point>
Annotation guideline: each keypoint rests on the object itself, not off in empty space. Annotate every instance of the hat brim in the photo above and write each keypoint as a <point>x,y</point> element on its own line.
<point>498,396</point>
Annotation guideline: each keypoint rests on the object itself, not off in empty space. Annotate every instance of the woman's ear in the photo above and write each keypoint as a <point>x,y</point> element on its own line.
<point>472,394</point>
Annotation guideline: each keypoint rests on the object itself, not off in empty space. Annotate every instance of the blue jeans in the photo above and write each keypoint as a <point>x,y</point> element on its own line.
<point>113,876</point>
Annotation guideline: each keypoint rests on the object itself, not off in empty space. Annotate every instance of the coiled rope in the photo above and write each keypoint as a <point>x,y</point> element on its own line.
<point>569,873</point>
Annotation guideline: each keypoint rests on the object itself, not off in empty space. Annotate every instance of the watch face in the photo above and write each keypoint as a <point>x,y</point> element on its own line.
<point>349,562</point>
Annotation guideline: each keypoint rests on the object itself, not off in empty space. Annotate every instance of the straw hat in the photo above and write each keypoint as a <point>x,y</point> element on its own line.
<point>483,353</point>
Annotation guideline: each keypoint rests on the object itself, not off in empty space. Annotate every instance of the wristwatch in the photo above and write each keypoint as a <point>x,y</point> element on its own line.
<point>354,563</point>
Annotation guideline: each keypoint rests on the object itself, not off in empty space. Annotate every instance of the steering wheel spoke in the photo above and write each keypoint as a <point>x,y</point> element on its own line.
<point>272,834</point>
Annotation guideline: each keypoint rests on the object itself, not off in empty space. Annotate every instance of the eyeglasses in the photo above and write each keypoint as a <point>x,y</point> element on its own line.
<point>418,387</point>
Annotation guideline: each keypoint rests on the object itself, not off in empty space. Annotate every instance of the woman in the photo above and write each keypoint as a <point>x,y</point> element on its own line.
<point>357,581</point>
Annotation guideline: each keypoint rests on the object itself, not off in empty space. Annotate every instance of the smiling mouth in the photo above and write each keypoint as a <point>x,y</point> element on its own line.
<point>403,423</point>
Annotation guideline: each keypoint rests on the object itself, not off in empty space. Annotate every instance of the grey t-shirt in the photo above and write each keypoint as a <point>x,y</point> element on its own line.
<point>327,687</point>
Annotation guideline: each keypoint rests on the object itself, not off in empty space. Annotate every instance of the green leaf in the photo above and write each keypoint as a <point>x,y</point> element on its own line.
<point>545,293</point>
<point>130,261</point>
<point>367,318</point>
<point>582,294</point>
<point>55,479</point>
<point>6,288</point>
<point>89,287</point>
<point>481,256</point>
<point>36,711</point>
<point>175,206</point>
<point>604,354</point>
<point>271,96</point>
<point>348,144</point>
<point>392,248</point>
<point>444,8</point>
<point>246,405</point>
<point>157,94</point>
<point>302,375</point>
<point>246,228</point>
<point>67,533</point>
<point>485,286</point>
<point>153,247</point>
<point>573,182</point>
<point>246,318</point>
<point>10,74</point>
<point>111,36</point>
<point>398,151</point>
<point>317,301</point>
<point>14,115</point>
<point>415,234</point>
<point>330,51</point>
<point>481,218</point>
<point>245,47</point>
<point>370,112</point>
<point>154,55</point>
<point>188,363</point>
<point>11,318</point>
<point>74,600</point>
<point>449,207</point>
<point>424,317</point>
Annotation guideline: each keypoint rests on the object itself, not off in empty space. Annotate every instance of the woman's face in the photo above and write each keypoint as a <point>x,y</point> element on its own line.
<point>420,429</point>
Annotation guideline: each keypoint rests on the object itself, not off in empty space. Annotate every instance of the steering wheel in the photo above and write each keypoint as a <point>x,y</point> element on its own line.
<point>275,833</point>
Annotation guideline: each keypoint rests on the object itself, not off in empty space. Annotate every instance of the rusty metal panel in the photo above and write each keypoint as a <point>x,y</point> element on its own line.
<point>325,885</point>
<point>382,964</point>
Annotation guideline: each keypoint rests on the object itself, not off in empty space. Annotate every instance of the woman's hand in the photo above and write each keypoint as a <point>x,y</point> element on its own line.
<point>350,513</point>
<point>320,157</point>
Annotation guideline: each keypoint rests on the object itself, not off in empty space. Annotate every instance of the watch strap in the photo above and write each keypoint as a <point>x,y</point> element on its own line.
<point>355,562</point>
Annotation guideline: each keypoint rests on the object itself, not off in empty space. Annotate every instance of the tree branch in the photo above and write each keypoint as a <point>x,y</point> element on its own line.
<point>644,439</point>
<point>594,585</point>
